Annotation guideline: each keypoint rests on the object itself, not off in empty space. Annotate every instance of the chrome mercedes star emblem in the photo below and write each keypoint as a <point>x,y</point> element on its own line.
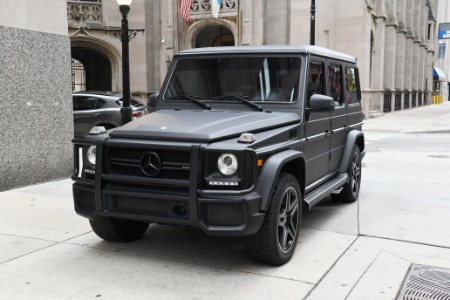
<point>150,164</point>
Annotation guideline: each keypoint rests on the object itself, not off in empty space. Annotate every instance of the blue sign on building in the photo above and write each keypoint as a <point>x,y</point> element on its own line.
<point>444,31</point>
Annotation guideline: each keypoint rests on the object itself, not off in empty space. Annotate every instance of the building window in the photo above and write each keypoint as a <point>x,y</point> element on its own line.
<point>78,76</point>
<point>429,31</point>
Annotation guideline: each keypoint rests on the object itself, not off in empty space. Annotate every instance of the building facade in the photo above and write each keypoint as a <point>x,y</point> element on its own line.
<point>35,93</point>
<point>394,40</point>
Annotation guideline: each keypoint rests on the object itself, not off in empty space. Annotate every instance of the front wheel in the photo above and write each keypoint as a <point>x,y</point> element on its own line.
<point>350,190</point>
<point>118,230</point>
<point>276,240</point>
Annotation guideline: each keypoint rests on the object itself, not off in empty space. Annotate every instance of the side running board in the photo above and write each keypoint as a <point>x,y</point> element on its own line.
<point>325,190</point>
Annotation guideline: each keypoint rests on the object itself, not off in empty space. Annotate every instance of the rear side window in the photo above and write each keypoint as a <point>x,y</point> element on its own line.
<point>84,103</point>
<point>315,79</point>
<point>351,86</point>
<point>335,83</point>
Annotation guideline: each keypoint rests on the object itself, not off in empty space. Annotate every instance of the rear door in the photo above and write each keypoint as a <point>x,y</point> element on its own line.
<point>336,90</point>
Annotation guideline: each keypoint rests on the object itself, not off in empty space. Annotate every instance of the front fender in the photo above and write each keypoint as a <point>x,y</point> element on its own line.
<point>271,170</point>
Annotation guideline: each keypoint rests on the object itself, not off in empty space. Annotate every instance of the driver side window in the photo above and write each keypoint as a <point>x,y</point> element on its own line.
<point>315,79</point>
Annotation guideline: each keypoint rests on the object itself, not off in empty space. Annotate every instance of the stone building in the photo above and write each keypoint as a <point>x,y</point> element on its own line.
<point>394,40</point>
<point>35,95</point>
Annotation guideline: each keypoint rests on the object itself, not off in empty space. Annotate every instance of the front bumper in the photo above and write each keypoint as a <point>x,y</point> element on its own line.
<point>216,215</point>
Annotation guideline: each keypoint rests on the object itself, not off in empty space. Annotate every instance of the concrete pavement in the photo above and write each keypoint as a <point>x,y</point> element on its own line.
<point>356,251</point>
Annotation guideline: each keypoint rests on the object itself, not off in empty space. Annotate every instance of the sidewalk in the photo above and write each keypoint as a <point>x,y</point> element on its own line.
<point>357,251</point>
<point>430,118</point>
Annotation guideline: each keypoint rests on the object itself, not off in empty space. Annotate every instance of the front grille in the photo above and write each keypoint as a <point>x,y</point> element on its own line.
<point>148,207</point>
<point>222,214</point>
<point>125,161</point>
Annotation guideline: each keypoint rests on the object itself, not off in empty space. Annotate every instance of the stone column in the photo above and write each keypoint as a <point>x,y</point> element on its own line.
<point>246,23</point>
<point>423,48</point>
<point>416,48</point>
<point>257,22</point>
<point>399,84</point>
<point>390,49</point>
<point>409,49</point>
<point>378,57</point>
<point>277,22</point>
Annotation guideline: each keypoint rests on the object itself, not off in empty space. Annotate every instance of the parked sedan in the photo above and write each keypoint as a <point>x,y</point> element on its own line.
<point>100,109</point>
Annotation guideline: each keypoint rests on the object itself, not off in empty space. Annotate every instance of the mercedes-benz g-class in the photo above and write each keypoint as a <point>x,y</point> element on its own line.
<point>241,139</point>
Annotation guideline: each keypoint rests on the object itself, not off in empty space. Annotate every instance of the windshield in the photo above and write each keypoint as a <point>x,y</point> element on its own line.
<point>251,78</point>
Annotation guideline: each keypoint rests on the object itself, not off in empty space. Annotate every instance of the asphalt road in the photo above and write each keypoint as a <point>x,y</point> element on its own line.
<point>346,251</point>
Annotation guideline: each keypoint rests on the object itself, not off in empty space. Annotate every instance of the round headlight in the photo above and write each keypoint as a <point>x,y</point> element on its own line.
<point>90,154</point>
<point>227,164</point>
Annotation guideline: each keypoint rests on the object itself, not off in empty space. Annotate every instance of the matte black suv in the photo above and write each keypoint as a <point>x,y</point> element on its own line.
<point>241,139</point>
<point>96,108</point>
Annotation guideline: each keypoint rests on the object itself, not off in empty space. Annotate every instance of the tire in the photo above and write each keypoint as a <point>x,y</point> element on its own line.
<point>350,191</point>
<point>118,230</point>
<point>276,240</point>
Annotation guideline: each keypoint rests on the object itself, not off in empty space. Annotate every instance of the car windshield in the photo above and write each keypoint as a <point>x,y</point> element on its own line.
<point>233,78</point>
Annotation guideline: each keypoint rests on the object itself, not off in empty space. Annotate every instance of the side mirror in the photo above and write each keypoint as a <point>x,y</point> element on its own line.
<point>151,102</point>
<point>319,102</point>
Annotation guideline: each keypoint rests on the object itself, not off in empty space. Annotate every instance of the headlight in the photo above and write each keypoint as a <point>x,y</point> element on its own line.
<point>227,164</point>
<point>90,154</point>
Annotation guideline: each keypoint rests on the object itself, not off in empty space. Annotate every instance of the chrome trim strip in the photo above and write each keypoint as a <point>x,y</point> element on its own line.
<point>279,147</point>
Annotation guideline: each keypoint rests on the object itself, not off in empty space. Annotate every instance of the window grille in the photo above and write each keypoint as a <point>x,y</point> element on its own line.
<point>78,76</point>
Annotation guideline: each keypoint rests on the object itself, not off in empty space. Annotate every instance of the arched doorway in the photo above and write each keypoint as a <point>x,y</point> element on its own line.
<point>93,66</point>
<point>214,36</point>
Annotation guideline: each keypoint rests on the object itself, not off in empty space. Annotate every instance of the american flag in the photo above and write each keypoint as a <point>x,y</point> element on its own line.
<point>185,9</point>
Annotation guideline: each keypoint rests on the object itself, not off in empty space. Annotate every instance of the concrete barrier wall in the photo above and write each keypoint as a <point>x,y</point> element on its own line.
<point>36,124</point>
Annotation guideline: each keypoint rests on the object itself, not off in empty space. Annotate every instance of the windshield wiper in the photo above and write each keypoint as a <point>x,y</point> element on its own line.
<point>192,98</point>
<point>242,99</point>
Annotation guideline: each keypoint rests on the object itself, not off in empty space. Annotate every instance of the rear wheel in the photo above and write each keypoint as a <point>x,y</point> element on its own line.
<point>118,230</point>
<point>276,240</point>
<point>350,191</point>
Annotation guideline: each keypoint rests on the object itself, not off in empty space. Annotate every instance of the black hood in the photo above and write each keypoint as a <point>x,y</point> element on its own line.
<point>202,126</point>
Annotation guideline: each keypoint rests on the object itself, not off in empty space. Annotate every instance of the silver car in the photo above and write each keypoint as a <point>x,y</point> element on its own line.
<point>100,109</point>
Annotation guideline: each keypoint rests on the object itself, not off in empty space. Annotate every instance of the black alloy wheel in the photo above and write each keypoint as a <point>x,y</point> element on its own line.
<point>276,240</point>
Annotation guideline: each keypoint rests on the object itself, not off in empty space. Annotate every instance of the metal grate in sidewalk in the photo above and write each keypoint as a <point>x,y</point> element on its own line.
<point>425,283</point>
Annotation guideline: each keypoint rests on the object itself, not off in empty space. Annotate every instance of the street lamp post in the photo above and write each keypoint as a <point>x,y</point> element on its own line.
<point>312,36</point>
<point>125,111</point>
<point>125,35</point>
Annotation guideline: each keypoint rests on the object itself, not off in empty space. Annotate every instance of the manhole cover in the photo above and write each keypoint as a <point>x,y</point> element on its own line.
<point>425,283</point>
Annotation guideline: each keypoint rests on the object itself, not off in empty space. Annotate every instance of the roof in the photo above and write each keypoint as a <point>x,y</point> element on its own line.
<point>270,49</point>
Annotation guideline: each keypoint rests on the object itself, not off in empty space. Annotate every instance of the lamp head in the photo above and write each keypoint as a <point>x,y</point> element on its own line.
<point>124,6</point>
<point>124,2</point>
